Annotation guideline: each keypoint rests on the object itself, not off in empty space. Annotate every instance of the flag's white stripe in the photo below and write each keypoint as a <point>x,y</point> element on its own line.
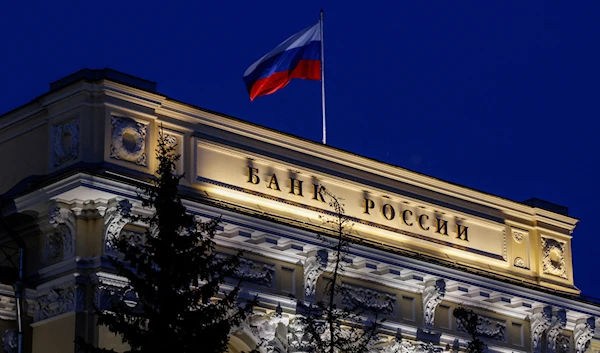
<point>307,35</point>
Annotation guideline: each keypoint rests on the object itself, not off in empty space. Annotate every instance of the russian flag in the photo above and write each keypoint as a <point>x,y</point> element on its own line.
<point>298,57</point>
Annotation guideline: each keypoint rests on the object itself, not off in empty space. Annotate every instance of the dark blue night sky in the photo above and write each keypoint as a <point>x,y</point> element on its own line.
<point>499,96</point>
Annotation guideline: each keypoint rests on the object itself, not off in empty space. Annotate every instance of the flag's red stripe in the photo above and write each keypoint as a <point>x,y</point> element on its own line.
<point>306,69</point>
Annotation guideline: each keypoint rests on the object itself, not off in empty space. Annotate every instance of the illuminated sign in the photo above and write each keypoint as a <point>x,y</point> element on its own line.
<point>381,216</point>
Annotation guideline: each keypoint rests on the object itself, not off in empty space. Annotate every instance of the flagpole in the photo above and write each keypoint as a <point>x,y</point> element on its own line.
<point>323,79</point>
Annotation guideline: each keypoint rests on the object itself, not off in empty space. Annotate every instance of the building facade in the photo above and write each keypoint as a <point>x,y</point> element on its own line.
<point>76,154</point>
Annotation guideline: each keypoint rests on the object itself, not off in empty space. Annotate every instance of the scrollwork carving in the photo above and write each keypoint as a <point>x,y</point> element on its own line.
<point>583,332</point>
<point>554,257</point>
<point>540,321</point>
<point>432,295</point>
<point>314,265</point>
<point>128,140</point>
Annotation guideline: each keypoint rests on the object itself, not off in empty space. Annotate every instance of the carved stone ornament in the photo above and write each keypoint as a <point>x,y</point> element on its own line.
<point>65,142</point>
<point>264,326</point>
<point>554,257</point>
<point>55,302</point>
<point>518,235</point>
<point>128,140</point>
<point>255,272</point>
<point>583,332</point>
<point>540,322</point>
<point>9,341</point>
<point>403,346</point>
<point>487,327</point>
<point>314,265</point>
<point>519,262</point>
<point>114,221</point>
<point>369,299</point>
<point>563,344</point>
<point>63,237</point>
<point>559,320</point>
<point>171,140</point>
<point>432,295</point>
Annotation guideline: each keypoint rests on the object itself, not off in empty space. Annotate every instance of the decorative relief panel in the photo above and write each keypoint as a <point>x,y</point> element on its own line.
<point>370,299</point>
<point>403,346</point>
<point>314,265</point>
<point>62,239</point>
<point>64,142</point>
<point>128,141</point>
<point>432,295</point>
<point>55,302</point>
<point>487,327</point>
<point>553,261</point>
<point>253,271</point>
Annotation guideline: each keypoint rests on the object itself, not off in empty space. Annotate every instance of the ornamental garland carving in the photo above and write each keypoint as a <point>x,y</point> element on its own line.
<point>559,320</point>
<point>65,142</point>
<point>252,271</point>
<point>404,346</point>
<point>487,327</point>
<point>369,299</point>
<point>128,142</point>
<point>432,295</point>
<point>583,332</point>
<point>255,272</point>
<point>63,237</point>
<point>540,321</point>
<point>554,257</point>
<point>55,302</point>
<point>314,265</point>
<point>115,219</point>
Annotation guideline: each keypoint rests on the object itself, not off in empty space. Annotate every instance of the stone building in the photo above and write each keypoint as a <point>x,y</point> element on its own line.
<point>74,154</point>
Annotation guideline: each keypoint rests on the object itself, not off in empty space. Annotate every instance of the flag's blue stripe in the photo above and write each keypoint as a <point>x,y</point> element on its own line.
<point>284,61</point>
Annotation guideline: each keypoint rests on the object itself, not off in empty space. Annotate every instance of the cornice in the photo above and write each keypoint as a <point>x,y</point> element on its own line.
<point>172,108</point>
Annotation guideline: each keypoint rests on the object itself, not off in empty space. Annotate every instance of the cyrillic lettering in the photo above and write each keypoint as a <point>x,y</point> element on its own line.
<point>421,221</point>
<point>252,177</point>
<point>404,217</point>
<point>272,182</point>
<point>462,232</point>
<point>388,211</point>
<point>368,205</point>
<point>442,226</point>
<point>296,187</point>
<point>317,195</point>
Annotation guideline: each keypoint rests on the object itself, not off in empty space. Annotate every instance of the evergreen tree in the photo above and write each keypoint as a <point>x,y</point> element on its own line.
<point>173,300</point>
<point>351,327</point>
